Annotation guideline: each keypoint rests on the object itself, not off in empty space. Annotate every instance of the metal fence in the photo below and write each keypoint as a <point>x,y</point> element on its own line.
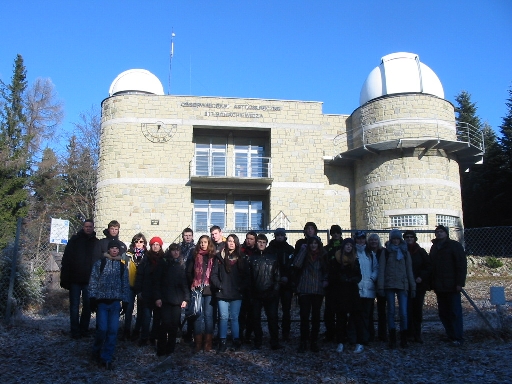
<point>30,264</point>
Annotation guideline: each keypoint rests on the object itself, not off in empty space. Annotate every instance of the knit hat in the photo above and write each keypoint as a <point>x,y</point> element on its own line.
<point>443,228</point>
<point>280,232</point>
<point>347,241</point>
<point>359,234</point>
<point>156,239</point>
<point>411,233</point>
<point>335,229</point>
<point>114,244</point>
<point>395,234</point>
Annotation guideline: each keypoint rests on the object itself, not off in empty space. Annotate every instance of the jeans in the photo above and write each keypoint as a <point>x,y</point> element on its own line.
<point>450,312</point>
<point>206,318</point>
<point>107,321</point>
<point>310,304</point>
<point>129,312</point>
<point>79,323</point>
<point>401,294</point>
<point>145,321</point>
<point>231,310</point>
<point>270,304</point>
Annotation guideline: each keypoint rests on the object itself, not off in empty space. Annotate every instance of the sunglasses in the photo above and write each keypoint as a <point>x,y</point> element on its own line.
<point>140,241</point>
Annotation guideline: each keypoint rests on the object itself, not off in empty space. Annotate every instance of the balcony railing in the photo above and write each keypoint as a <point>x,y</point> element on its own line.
<point>234,166</point>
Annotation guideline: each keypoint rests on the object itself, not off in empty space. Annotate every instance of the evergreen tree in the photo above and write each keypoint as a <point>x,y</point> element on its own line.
<point>466,114</point>
<point>14,162</point>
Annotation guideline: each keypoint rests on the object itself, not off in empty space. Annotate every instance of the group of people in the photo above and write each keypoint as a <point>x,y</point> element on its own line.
<point>231,282</point>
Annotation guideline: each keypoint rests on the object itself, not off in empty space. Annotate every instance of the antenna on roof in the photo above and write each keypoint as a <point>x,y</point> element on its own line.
<point>170,60</point>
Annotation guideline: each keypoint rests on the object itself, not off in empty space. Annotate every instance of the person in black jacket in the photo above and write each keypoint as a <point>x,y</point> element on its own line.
<point>331,248</point>
<point>264,281</point>
<point>229,275</point>
<point>171,293</point>
<point>80,254</point>
<point>449,268</point>
<point>344,277</point>
<point>284,253</point>
<point>421,269</point>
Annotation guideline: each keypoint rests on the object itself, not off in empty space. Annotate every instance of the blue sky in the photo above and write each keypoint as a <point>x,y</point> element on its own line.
<point>280,49</point>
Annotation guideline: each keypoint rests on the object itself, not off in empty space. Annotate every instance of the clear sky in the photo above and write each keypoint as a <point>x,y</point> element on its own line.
<point>277,49</point>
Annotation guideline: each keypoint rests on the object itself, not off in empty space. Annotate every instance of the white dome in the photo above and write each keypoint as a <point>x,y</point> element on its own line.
<point>136,81</point>
<point>398,73</point>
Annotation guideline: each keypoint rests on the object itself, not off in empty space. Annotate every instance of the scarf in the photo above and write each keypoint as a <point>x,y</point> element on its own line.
<point>400,249</point>
<point>138,255</point>
<point>199,270</point>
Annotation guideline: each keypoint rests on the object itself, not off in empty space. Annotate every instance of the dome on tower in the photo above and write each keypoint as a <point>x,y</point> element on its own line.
<point>136,81</point>
<point>399,73</point>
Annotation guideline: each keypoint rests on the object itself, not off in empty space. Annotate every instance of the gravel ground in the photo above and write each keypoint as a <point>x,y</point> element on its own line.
<point>38,349</point>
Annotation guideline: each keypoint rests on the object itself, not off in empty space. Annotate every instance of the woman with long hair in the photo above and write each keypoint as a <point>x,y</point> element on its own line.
<point>228,277</point>
<point>199,270</point>
<point>132,258</point>
<point>311,265</point>
<point>344,276</point>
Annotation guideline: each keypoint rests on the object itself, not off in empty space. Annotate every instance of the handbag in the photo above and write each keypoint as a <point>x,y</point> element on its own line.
<point>195,306</point>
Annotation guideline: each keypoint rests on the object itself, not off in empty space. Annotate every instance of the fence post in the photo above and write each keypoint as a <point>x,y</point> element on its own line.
<point>13,271</point>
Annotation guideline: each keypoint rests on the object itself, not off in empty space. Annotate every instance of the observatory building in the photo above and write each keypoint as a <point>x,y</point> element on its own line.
<point>168,162</point>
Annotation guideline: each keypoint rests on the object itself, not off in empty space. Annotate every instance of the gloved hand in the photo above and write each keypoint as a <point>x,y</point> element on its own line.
<point>413,294</point>
<point>381,293</point>
<point>93,304</point>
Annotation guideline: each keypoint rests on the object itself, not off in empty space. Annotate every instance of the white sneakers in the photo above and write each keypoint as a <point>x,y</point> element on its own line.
<point>340,348</point>
<point>359,348</point>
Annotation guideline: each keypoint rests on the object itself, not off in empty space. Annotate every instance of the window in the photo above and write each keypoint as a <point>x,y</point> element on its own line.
<point>249,215</point>
<point>250,161</point>
<point>210,159</point>
<point>208,213</point>
<point>408,220</point>
<point>447,221</point>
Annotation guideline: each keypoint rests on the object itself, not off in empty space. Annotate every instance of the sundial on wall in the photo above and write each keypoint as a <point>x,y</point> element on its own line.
<point>158,132</point>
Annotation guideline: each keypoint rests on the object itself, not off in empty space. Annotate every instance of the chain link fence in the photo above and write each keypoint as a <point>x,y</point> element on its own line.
<point>30,264</point>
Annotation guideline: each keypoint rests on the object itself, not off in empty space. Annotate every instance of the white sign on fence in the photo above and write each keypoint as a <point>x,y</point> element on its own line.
<point>59,231</point>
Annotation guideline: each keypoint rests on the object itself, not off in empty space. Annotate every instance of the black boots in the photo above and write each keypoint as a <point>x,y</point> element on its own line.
<point>392,338</point>
<point>403,339</point>
<point>222,346</point>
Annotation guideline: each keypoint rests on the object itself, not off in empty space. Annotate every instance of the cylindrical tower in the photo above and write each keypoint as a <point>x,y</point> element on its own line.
<point>404,136</point>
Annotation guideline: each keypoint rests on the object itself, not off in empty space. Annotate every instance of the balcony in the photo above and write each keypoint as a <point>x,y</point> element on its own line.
<point>229,171</point>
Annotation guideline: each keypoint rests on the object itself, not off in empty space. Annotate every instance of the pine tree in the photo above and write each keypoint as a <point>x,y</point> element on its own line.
<point>14,162</point>
<point>466,111</point>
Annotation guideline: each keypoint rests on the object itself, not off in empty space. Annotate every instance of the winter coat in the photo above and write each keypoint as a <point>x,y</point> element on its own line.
<point>146,272</point>
<point>264,275</point>
<point>343,285</point>
<point>112,283</point>
<point>170,283</point>
<point>331,248</point>
<point>187,249</point>
<point>421,267</point>
<point>449,265</point>
<point>284,253</point>
<point>395,274</point>
<point>80,254</point>
<point>370,272</point>
<point>230,286</point>
<point>312,274</point>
